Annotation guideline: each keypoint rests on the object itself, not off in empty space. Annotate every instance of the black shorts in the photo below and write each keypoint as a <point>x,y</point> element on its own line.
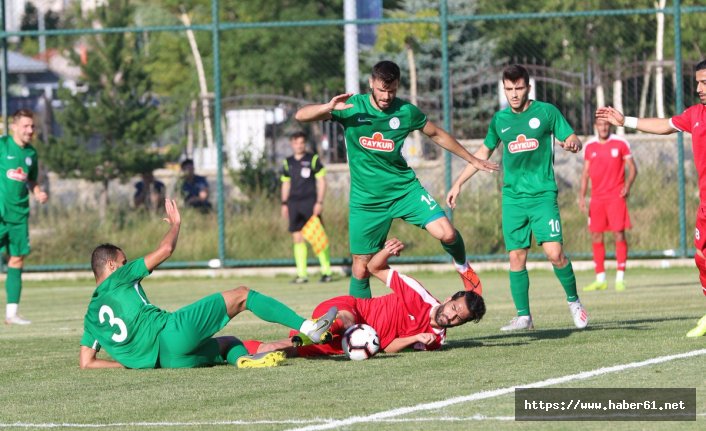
<point>299,213</point>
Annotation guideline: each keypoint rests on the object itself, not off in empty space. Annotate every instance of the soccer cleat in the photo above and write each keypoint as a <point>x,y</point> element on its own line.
<point>326,279</point>
<point>318,329</point>
<point>261,360</point>
<point>471,281</point>
<point>299,280</point>
<point>619,286</point>
<point>16,320</point>
<point>300,340</point>
<point>597,285</point>
<point>518,323</point>
<point>699,330</point>
<point>579,314</point>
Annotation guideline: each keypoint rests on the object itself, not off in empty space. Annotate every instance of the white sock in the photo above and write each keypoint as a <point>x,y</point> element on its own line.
<point>461,268</point>
<point>619,275</point>
<point>600,277</point>
<point>307,326</point>
<point>11,310</point>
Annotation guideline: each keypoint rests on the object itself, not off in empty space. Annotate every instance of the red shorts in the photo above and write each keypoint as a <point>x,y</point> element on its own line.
<point>700,231</point>
<point>608,216</point>
<point>334,347</point>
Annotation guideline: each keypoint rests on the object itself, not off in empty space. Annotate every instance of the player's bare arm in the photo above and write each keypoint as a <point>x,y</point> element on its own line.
<point>40,195</point>
<point>323,111</point>
<point>449,143</point>
<point>658,126</point>
<point>483,153</point>
<point>399,344</point>
<point>87,360</point>
<point>632,173</point>
<point>286,188</point>
<point>584,185</point>
<point>320,193</point>
<point>572,144</point>
<point>378,263</point>
<point>168,244</point>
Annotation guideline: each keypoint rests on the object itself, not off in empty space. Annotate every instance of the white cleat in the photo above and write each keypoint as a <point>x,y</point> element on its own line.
<point>519,323</point>
<point>16,320</point>
<point>579,314</point>
<point>317,329</point>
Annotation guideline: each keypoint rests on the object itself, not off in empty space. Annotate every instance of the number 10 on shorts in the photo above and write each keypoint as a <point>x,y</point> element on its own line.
<point>554,227</point>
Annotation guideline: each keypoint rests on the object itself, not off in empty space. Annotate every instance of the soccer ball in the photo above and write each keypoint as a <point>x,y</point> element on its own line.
<point>360,342</point>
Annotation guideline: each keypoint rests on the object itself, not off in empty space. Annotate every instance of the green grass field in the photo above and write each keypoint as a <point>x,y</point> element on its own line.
<point>42,387</point>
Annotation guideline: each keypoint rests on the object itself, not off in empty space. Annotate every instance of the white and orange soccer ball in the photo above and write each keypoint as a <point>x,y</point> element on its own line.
<point>360,341</point>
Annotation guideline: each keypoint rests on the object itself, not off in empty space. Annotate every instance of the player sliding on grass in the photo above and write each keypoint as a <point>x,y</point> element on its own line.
<point>408,317</point>
<point>692,120</point>
<point>383,186</point>
<point>137,334</point>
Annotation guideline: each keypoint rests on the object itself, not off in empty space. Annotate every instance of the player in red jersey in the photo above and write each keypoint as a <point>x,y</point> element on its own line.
<point>692,120</point>
<point>410,316</point>
<point>605,158</point>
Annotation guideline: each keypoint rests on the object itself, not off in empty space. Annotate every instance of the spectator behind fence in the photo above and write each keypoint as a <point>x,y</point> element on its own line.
<point>149,192</point>
<point>194,188</point>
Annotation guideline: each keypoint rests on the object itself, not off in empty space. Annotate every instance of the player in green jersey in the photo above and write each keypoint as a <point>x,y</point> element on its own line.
<point>18,177</point>
<point>526,131</point>
<point>383,187</point>
<point>137,334</point>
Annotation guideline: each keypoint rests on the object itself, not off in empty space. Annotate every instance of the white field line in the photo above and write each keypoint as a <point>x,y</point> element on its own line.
<point>386,416</point>
<point>497,392</point>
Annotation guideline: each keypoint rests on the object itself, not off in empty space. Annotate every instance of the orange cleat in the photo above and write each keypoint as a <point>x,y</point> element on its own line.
<point>471,281</point>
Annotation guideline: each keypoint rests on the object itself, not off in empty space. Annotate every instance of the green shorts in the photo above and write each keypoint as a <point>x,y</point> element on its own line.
<point>527,216</point>
<point>186,340</point>
<point>14,238</point>
<point>368,225</point>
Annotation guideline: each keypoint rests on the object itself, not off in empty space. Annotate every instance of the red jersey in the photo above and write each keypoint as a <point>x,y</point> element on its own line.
<point>693,120</point>
<point>403,313</point>
<point>607,166</point>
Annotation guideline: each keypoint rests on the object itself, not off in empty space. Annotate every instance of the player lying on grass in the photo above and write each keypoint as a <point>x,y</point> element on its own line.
<point>408,317</point>
<point>138,334</point>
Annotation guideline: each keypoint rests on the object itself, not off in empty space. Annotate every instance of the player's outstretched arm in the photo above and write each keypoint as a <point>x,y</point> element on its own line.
<point>658,126</point>
<point>168,244</point>
<point>323,111</point>
<point>449,143</point>
<point>399,344</point>
<point>483,153</point>
<point>378,263</point>
<point>87,359</point>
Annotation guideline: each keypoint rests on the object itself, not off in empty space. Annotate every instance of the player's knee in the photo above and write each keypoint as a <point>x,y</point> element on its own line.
<point>448,236</point>
<point>236,298</point>
<point>360,272</point>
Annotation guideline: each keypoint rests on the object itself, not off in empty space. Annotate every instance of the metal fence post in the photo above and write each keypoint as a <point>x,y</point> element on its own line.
<point>679,106</point>
<point>215,35</point>
<point>445,89</point>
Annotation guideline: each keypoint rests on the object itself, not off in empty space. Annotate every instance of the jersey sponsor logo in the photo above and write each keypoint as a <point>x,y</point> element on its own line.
<point>534,122</point>
<point>17,174</point>
<point>614,152</point>
<point>522,144</point>
<point>377,143</point>
<point>394,123</point>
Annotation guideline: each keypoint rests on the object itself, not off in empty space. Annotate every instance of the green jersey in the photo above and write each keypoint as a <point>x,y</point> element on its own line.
<point>122,320</point>
<point>18,165</point>
<point>374,141</point>
<point>528,147</point>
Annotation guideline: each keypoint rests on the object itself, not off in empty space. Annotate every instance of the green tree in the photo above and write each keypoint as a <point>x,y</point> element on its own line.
<point>108,130</point>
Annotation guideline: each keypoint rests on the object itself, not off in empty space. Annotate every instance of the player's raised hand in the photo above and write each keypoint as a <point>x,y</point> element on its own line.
<point>394,246</point>
<point>452,196</point>
<point>173,217</point>
<point>338,103</point>
<point>611,115</point>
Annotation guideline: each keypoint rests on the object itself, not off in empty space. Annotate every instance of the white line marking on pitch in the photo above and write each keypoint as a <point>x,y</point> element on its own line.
<point>497,392</point>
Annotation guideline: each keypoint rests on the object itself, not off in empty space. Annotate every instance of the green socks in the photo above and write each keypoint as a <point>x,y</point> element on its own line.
<point>519,288</point>
<point>360,288</point>
<point>456,249</point>
<point>325,261</point>
<point>568,281</point>
<point>271,310</point>
<point>300,258</point>
<point>235,352</point>
<point>13,285</point>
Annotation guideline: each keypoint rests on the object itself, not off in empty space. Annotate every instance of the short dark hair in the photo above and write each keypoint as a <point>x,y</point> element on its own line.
<point>187,162</point>
<point>515,72</point>
<point>20,113</point>
<point>296,135</point>
<point>101,255</point>
<point>474,302</point>
<point>386,71</point>
<point>700,66</point>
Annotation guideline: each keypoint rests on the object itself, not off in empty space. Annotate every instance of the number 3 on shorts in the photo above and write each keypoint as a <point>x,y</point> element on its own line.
<point>113,321</point>
<point>429,201</point>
